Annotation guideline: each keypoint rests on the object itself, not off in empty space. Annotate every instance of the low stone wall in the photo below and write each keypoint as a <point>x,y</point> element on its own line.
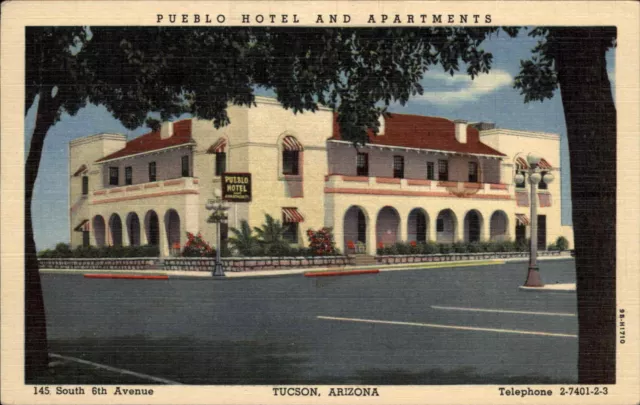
<point>452,257</point>
<point>133,263</point>
<point>255,263</point>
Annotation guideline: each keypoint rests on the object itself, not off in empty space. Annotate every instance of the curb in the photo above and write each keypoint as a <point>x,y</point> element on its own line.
<point>340,273</point>
<point>127,276</point>
<point>551,288</point>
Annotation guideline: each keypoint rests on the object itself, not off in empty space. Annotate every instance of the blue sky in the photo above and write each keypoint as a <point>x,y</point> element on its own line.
<point>487,98</point>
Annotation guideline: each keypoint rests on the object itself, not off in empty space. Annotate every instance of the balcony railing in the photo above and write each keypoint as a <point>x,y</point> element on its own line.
<point>161,188</point>
<point>341,184</point>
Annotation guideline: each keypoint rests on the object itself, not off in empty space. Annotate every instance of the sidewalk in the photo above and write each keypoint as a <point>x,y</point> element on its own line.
<point>172,274</point>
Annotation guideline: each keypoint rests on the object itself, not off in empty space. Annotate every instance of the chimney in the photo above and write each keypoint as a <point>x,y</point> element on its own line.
<point>461,130</point>
<point>166,130</point>
<point>380,125</point>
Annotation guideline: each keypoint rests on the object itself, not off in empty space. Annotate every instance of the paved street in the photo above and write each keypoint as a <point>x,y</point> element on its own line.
<point>468,325</point>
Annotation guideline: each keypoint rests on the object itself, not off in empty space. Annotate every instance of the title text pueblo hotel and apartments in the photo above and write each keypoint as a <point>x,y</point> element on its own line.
<point>419,179</point>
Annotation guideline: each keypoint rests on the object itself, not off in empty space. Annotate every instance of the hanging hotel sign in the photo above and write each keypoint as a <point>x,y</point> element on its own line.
<point>236,187</point>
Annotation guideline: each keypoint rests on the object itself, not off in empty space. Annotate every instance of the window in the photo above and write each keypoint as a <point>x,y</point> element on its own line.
<point>440,225</point>
<point>542,185</point>
<point>290,231</point>
<point>430,171</point>
<point>85,185</point>
<point>128,175</point>
<point>221,163</point>
<point>113,176</point>
<point>398,167</point>
<point>185,166</point>
<point>362,164</point>
<point>290,162</point>
<point>152,171</point>
<point>443,170</point>
<point>85,238</point>
<point>473,172</point>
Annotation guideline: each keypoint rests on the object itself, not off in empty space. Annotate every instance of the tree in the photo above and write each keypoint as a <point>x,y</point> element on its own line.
<point>271,236</point>
<point>359,72</point>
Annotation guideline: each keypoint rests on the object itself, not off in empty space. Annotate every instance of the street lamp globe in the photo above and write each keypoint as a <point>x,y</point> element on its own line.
<point>217,193</point>
<point>535,178</point>
<point>519,178</point>
<point>548,178</point>
<point>533,160</point>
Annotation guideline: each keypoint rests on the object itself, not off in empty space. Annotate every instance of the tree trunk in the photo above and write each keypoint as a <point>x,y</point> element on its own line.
<point>590,116</point>
<point>36,347</point>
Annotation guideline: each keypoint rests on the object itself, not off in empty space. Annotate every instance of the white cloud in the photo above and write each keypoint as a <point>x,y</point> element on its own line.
<point>471,90</point>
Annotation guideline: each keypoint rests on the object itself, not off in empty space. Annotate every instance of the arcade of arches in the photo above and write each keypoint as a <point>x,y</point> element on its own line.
<point>135,232</point>
<point>391,228</point>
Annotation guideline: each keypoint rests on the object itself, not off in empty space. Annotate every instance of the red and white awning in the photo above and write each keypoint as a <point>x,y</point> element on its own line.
<point>81,169</point>
<point>545,199</point>
<point>522,163</point>
<point>218,147</point>
<point>291,144</point>
<point>523,219</point>
<point>292,215</point>
<point>522,199</point>
<point>83,226</point>
<point>543,164</point>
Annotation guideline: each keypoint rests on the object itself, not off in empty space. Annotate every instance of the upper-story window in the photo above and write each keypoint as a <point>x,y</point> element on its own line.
<point>291,150</point>
<point>152,171</point>
<point>521,168</point>
<point>85,185</point>
<point>430,171</point>
<point>185,166</point>
<point>443,170</point>
<point>543,185</point>
<point>128,175</point>
<point>221,163</point>
<point>114,176</point>
<point>362,164</point>
<point>473,172</point>
<point>398,167</point>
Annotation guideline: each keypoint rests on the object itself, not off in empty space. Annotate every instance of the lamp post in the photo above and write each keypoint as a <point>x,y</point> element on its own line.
<point>534,175</point>
<point>218,216</point>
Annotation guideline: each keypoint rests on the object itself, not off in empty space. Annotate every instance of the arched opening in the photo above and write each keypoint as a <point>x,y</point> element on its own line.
<point>172,229</point>
<point>446,225</point>
<point>115,230</point>
<point>499,224</point>
<point>472,226</point>
<point>152,228</point>
<point>98,227</point>
<point>417,225</point>
<point>387,226</point>
<point>133,229</point>
<point>355,230</point>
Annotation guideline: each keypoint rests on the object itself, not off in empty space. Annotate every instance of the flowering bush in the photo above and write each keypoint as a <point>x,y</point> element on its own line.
<point>197,247</point>
<point>321,242</point>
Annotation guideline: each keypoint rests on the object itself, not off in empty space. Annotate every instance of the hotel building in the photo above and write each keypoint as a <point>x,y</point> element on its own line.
<point>420,178</point>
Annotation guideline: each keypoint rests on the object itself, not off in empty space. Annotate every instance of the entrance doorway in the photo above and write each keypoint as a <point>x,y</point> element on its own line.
<point>542,232</point>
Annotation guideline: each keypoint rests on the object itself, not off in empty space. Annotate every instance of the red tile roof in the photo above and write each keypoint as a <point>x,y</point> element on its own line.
<point>416,131</point>
<point>152,141</point>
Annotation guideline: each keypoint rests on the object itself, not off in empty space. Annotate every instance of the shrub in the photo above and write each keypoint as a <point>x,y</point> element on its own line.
<point>562,243</point>
<point>459,247</point>
<point>243,240</point>
<point>522,245</point>
<point>474,247</point>
<point>402,248</point>
<point>415,248</point>
<point>446,248</point>
<point>196,246</point>
<point>552,246</point>
<point>430,248</point>
<point>321,242</point>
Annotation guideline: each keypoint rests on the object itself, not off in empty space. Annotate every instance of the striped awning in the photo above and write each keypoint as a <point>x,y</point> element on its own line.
<point>218,147</point>
<point>522,219</point>
<point>83,226</point>
<point>291,144</point>
<point>522,163</point>
<point>81,169</point>
<point>543,164</point>
<point>545,199</point>
<point>522,199</point>
<point>292,215</point>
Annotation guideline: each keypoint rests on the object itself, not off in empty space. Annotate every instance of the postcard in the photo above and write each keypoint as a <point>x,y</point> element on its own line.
<point>265,202</point>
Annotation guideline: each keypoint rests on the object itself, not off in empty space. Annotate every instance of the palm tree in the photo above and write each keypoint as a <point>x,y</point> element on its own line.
<point>243,240</point>
<point>271,236</point>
